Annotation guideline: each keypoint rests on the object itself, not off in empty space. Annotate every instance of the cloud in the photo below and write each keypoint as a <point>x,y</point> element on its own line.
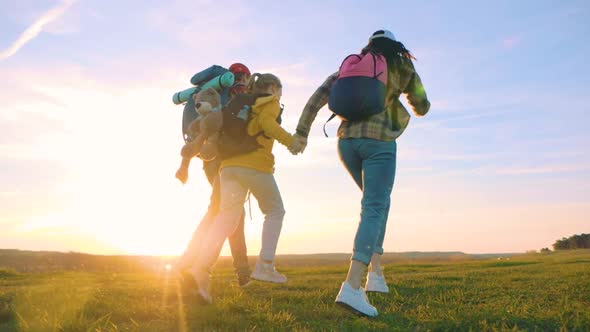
<point>320,152</point>
<point>296,75</point>
<point>197,23</point>
<point>36,28</point>
<point>10,193</point>
<point>511,42</point>
<point>419,154</point>
<point>543,169</point>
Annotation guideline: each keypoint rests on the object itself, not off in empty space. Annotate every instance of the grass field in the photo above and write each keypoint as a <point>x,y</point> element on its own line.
<point>536,292</point>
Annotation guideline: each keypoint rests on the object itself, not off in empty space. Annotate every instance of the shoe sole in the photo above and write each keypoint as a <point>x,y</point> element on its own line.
<point>199,297</point>
<point>266,280</point>
<point>190,287</point>
<point>194,294</point>
<point>351,309</point>
<point>376,291</point>
<point>245,285</point>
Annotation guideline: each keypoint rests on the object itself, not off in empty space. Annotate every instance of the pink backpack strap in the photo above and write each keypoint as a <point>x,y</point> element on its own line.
<point>380,67</point>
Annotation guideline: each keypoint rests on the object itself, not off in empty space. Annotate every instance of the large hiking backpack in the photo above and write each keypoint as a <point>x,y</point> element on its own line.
<point>234,139</point>
<point>360,89</point>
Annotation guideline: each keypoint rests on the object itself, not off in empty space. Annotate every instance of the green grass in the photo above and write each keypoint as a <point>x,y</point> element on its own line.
<point>541,292</point>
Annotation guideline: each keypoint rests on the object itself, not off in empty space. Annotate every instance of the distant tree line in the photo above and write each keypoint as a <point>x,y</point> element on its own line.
<point>573,242</point>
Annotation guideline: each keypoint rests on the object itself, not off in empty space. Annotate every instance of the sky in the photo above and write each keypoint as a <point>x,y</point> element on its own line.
<point>90,139</point>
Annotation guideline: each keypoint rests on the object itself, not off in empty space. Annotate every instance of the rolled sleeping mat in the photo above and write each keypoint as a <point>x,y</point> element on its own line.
<point>220,82</point>
<point>204,76</point>
<point>182,96</point>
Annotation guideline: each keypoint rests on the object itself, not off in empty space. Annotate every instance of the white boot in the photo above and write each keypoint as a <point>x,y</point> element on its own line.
<point>201,291</point>
<point>267,272</point>
<point>376,283</point>
<point>356,300</point>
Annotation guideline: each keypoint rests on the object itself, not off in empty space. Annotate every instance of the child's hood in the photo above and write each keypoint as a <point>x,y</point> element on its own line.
<point>264,104</point>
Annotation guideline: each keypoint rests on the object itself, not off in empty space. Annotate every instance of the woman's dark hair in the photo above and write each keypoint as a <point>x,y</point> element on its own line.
<point>392,50</point>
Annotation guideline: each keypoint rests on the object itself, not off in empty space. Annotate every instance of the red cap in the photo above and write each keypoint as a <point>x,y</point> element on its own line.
<point>239,68</point>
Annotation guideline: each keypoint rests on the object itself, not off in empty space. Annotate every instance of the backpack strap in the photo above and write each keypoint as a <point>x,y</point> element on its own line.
<point>249,203</point>
<point>374,65</point>
<point>330,119</point>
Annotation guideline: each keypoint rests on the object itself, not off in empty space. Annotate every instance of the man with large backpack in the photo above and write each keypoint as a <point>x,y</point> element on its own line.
<point>237,240</point>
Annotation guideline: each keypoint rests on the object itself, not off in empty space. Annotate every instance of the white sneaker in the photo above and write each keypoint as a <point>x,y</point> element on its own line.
<point>356,300</point>
<point>376,283</point>
<point>201,287</point>
<point>267,272</point>
<point>202,295</point>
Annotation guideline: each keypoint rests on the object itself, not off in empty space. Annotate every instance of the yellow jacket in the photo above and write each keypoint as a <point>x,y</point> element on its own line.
<point>264,119</point>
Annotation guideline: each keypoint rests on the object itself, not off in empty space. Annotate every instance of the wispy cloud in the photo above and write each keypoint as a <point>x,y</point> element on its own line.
<point>543,169</point>
<point>10,193</point>
<point>36,28</point>
<point>511,41</point>
<point>178,19</point>
<point>295,75</point>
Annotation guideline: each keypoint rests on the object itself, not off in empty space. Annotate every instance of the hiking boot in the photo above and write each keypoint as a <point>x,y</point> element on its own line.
<point>243,281</point>
<point>267,272</point>
<point>376,283</point>
<point>355,300</point>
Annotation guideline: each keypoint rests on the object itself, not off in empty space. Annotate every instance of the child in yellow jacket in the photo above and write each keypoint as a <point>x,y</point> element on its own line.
<point>250,172</point>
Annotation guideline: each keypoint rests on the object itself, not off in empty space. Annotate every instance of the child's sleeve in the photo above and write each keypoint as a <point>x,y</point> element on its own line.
<point>271,128</point>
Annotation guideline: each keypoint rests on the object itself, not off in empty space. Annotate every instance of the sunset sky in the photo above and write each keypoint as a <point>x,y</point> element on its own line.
<point>90,138</point>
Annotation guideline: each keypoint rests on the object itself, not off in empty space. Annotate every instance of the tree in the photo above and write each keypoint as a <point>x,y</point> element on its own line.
<point>573,242</point>
<point>545,250</point>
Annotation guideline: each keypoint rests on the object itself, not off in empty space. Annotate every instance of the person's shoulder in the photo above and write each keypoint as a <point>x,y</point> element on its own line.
<point>266,103</point>
<point>329,81</point>
<point>404,68</point>
<point>266,99</point>
<point>407,64</point>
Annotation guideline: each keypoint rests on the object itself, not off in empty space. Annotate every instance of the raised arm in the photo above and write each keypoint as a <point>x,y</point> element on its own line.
<point>318,100</point>
<point>272,128</point>
<point>417,95</point>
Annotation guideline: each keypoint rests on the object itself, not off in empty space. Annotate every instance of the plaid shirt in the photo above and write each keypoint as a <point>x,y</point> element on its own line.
<point>385,126</point>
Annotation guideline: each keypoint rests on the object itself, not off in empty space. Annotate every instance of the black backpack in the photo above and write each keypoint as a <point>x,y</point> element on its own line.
<point>234,139</point>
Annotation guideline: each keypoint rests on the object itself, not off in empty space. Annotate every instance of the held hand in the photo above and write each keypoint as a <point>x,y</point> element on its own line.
<point>302,142</point>
<point>298,145</point>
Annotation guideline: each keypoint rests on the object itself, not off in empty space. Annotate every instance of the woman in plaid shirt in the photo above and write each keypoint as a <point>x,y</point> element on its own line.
<point>367,149</point>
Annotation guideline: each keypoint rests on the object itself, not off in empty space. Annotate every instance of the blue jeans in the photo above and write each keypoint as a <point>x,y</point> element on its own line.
<point>371,163</point>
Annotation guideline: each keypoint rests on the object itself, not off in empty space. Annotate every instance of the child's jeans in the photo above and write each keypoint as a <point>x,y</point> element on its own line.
<point>235,184</point>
